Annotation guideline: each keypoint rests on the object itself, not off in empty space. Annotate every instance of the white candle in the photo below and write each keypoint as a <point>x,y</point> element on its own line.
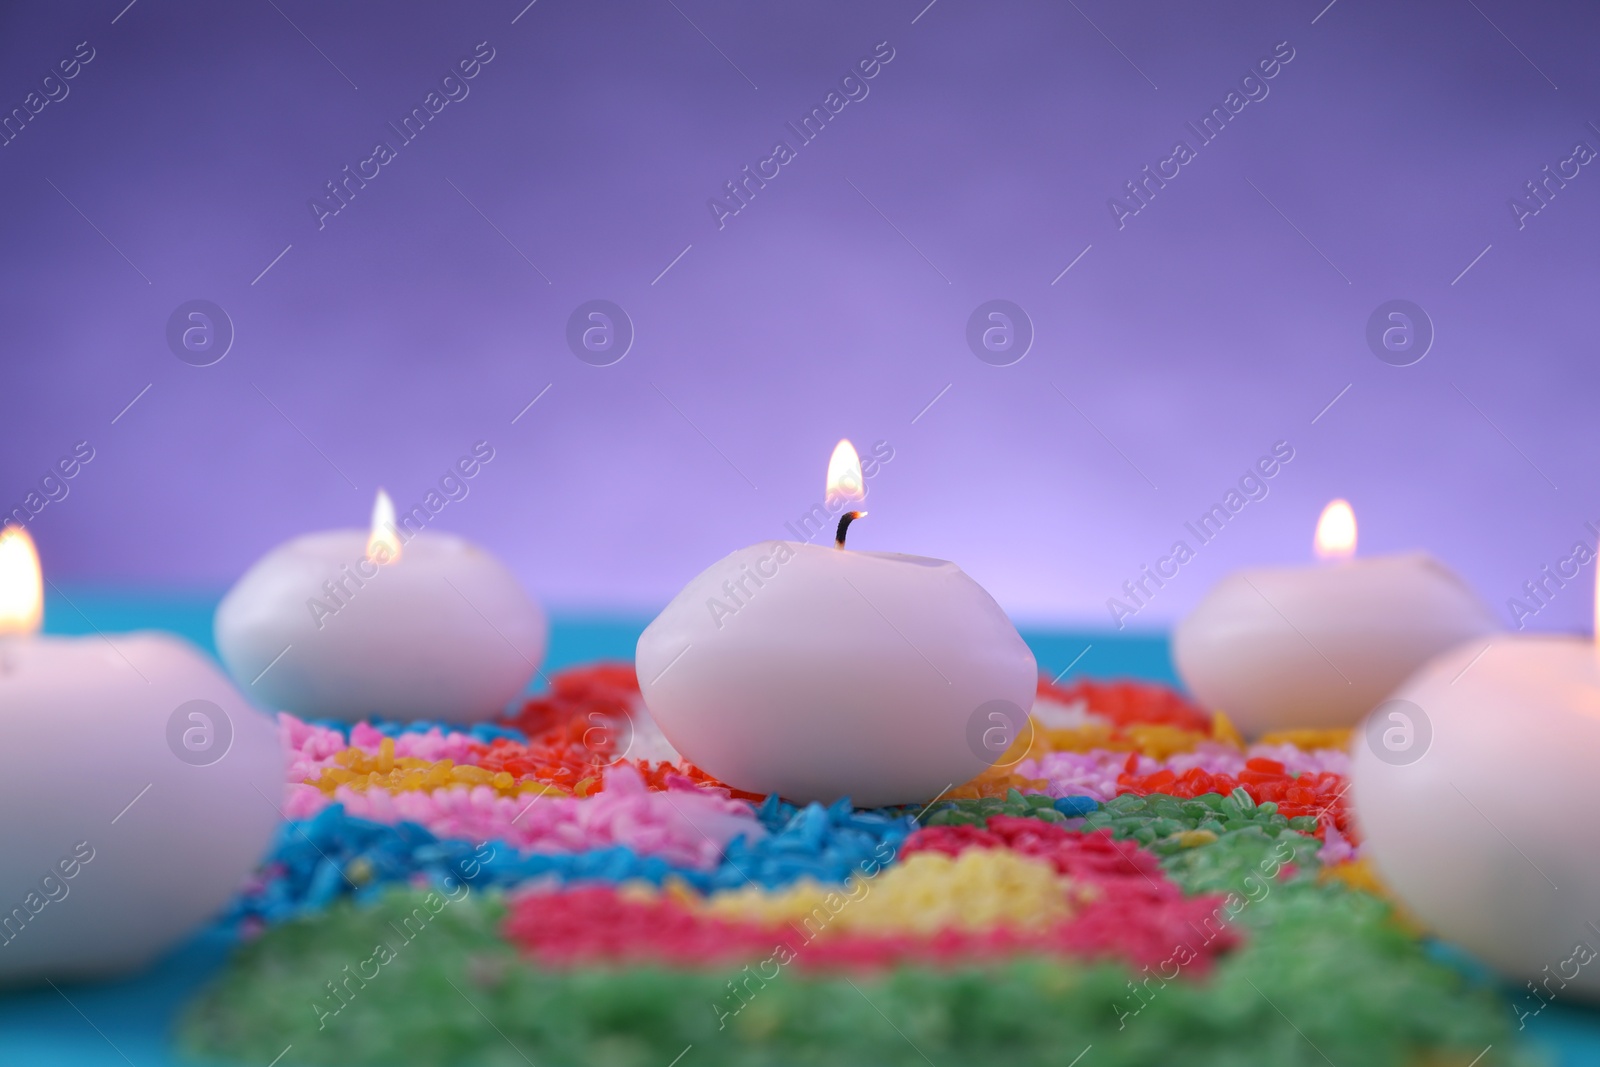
<point>1283,647</point>
<point>818,672</point>
<point>141,790</point>
<point>392,623</point>
<point>1473,788</point>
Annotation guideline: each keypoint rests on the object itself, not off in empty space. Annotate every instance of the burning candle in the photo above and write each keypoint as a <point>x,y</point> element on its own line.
<point>1473,787</point>
<point>1319,646</point>
<point>818,672</point>
<point>388,621</point>
<point>142,789</point>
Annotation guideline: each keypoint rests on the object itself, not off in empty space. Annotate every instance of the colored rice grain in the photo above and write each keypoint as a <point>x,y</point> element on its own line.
<point>1345,986</point>
<point>684,826</point>
<point>1144,896</point>
<point>1319,796</point>
<point>923,895</point>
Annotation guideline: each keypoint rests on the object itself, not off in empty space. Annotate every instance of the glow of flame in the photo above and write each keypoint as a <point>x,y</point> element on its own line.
<point>1336,531</point>
<point>384,544</point>
<point>845,482</point>
<point>21,583</point>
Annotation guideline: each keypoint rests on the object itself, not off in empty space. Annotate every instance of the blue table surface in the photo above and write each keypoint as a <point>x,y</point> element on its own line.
<point>130,1020</point>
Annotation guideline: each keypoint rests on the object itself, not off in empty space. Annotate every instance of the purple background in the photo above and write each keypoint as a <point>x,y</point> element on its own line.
<point>1189,341</point>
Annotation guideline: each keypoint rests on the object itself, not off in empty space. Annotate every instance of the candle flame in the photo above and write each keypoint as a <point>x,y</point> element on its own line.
<point>21,583</point>
<point>845,482</point>
<point>384,544</point>
<point>1336,531</point>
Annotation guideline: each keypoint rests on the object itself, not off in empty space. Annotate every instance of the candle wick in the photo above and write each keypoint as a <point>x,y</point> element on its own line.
<point>844,524</point>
